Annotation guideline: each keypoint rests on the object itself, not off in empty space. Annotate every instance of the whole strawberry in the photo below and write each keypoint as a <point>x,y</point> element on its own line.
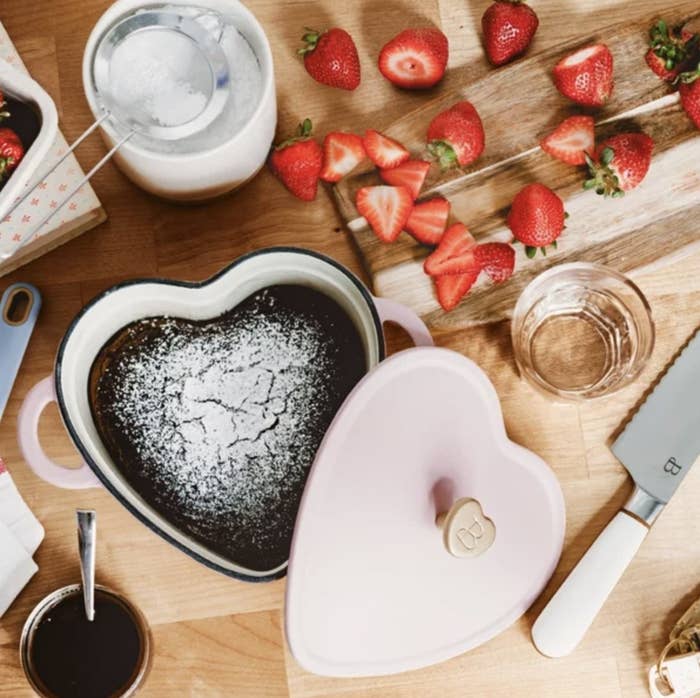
<point>298,162</point>
<point>11,151</point>
<point>508,26</point>
<point>331,58</point>
<point>586,76</point>
<point>689,90</point>
<point>536,218</point>
<point>669,50</point>
<point>456,136</point>
<point>620,164</point>
<point>415,58</point>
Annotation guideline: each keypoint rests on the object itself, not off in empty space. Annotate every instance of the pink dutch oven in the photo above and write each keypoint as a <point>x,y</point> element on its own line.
<point>134,300</point>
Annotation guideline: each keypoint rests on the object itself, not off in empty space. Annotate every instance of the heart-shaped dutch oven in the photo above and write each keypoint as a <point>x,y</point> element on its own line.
<point>190,312</point>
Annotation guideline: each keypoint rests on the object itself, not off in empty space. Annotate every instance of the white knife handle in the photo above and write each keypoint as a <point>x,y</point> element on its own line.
<point>571,611</point>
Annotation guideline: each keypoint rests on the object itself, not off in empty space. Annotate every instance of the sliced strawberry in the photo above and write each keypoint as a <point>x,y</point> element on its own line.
<point>428,220</point>
<point>452,288</point>
<point>571,140</point>
<point>341,154</point>
<point>497,259</point>
<point>454,255</point>
<point>415,58</point>
<point>386,209</point>
<point>410,174</point>
<point>384,151</point>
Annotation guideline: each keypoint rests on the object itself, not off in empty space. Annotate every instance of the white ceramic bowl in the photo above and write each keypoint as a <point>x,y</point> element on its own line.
<point>210,173</point>
<point>134,300</point>
<point>14,83</point>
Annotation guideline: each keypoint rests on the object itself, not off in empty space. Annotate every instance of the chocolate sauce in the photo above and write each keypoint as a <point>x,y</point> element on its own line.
<point>71,656</point>
<point>215,424</point>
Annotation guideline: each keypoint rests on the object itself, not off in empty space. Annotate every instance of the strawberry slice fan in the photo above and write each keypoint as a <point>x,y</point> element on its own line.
<point>207,72</point>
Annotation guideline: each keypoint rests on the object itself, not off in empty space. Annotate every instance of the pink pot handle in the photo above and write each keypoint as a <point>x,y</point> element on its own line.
<point>391,311</point>
<point>28,437</point>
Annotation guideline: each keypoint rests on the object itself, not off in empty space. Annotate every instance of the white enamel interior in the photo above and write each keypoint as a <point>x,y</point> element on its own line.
<point>124,305</point>
<point>14,83</point>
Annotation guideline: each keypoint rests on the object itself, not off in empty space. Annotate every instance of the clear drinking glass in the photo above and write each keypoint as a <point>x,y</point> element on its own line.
<point>581,331</point>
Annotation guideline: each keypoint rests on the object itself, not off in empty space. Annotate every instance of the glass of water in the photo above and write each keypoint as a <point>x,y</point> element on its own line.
<point>581,331</point>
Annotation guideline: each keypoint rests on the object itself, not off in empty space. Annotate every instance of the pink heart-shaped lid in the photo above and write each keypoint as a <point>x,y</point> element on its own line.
<point>372,586</point>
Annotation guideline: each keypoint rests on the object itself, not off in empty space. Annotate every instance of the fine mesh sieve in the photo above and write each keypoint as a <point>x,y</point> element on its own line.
<point>160,73</point>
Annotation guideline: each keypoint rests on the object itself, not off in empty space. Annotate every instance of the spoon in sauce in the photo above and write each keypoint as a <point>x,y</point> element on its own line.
<point>87,531</point>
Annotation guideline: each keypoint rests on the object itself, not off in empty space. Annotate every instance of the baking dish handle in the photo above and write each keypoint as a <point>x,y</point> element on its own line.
<point>34,404</point>
<point>391,311</point>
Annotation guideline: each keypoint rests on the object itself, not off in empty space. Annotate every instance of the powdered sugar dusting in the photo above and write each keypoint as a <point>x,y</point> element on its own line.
<point>223,419</point>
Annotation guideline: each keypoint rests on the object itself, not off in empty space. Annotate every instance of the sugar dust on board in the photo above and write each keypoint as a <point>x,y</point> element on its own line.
<point>72,656</point>
<point>164,77</point>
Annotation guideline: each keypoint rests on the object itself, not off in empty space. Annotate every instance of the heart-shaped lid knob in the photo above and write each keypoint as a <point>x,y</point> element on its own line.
<point>374,585</point>
<point>467,531</point>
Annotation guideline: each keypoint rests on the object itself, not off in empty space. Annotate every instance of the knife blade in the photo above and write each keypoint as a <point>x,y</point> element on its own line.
<point>660,443</point>
<point>657,446</point>
<point>19,309</point>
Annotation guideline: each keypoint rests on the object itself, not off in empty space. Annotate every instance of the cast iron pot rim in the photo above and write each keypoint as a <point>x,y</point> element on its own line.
<point>96,469</point>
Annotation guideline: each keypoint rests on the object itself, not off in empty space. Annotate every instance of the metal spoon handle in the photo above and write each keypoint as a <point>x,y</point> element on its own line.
<point>87,529</point>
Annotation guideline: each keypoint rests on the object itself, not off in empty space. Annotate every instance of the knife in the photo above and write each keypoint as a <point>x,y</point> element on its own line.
<point>657,447</point>
<point>19,309</point>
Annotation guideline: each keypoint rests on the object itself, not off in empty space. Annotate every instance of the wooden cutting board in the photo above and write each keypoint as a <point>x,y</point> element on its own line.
<point>518,105</point>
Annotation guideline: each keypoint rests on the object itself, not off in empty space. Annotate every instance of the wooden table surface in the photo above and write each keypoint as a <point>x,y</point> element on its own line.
<point>218,637</point>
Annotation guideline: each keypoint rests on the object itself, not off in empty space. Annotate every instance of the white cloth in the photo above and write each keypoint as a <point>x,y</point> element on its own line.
<point>20,536</point>
<point>16,568</point>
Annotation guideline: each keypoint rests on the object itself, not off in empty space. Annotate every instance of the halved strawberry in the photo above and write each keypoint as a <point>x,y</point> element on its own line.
<point>384,151</point>
<point>428,220</point>
<point>386,209</point>
<point>410,174</point>
<point>586,76</point>
<point>455,253</point>
<point>341,153</point>
<point>497,259</point>
<point>415,58</point>
<point>452,288</point>
<point>571,140</point>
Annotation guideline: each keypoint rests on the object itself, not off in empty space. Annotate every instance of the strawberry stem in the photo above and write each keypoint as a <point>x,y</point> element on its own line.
<point>303,133</point>
<point>671,46</point>
<point>310,39</point>
<point>445,154</point>
<point>5,166</point>
<point>602,178</point>
<point>689,76</point>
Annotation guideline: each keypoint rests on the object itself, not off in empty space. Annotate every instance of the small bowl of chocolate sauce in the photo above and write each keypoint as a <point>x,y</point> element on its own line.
<point>65,655</point>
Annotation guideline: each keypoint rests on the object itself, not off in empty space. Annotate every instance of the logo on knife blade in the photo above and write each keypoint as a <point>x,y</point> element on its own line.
<point>671,466</point>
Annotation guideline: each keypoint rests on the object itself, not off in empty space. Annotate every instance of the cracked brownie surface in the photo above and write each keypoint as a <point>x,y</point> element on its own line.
<point>215,424</point>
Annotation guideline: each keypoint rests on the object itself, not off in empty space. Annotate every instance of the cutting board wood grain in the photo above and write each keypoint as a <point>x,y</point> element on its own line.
<point>518,105</point>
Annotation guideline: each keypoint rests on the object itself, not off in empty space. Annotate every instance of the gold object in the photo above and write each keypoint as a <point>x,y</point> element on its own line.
<point>678,666</point>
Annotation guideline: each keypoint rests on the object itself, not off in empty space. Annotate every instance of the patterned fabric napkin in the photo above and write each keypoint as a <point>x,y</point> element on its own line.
<point>49,193</point>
